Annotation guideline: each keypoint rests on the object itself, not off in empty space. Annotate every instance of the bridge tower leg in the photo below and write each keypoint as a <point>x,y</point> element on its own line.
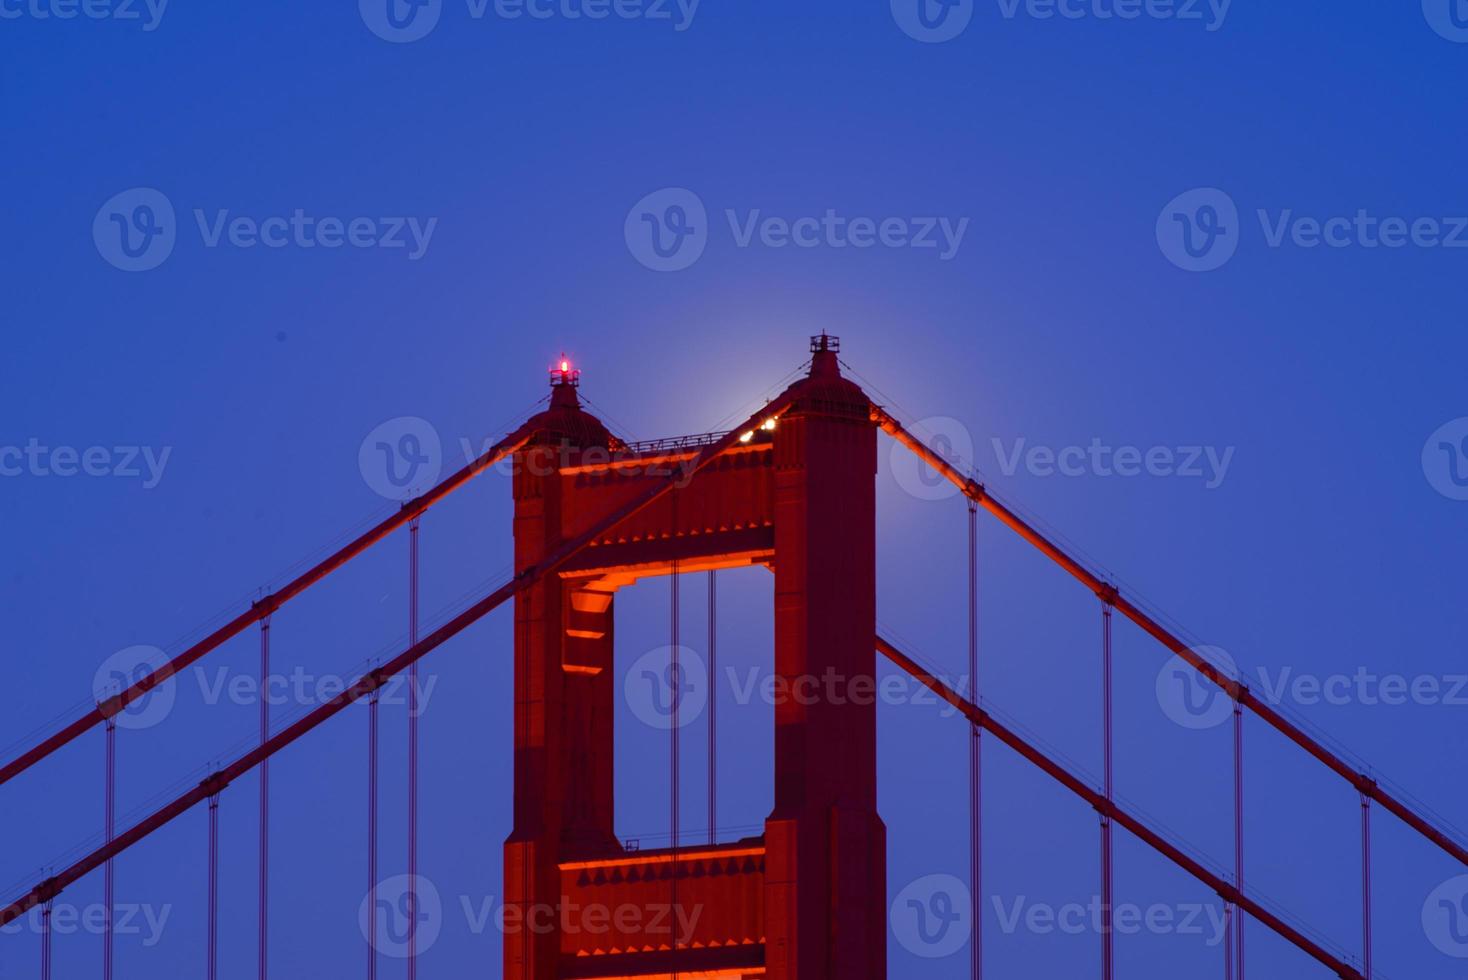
<point>563,701</point>
<point>825,884</point>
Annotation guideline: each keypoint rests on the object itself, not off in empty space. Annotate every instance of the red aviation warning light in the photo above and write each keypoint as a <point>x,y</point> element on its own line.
<point>563,374</point>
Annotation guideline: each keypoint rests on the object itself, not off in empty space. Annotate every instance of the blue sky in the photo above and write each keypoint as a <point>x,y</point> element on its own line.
<point>1233,233</point>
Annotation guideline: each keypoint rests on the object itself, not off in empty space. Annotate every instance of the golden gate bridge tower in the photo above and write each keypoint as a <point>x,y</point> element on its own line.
<point>807,899</point>
<point>792,488</point>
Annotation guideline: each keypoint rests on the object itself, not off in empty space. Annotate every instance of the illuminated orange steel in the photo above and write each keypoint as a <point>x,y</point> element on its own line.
<point>807,899</point>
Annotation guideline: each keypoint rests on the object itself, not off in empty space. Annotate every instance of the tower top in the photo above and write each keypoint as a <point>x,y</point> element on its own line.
<point>823,360</point>
<point>561,373</point>
<point>564,380</point>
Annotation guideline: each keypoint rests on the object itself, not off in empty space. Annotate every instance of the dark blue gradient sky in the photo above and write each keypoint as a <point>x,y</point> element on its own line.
<point>1331,545</point>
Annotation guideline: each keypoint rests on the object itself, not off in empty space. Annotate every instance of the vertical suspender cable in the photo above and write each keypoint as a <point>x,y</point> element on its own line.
<point>110,821</point>
<point>46,941</point>
<point>211,944</point>
<point>1238,917</point>
<point>1366,951</point>
<point>264,912</point>
<point>1108,946</point>
<point>713,708</point>
<point>413,746</point>
<point>675,679</point>
<point>975,771</point>
<point>1228,941</point>
<point>372,714</point>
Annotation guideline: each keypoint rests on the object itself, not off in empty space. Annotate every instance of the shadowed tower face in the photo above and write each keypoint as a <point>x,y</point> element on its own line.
<point>804,901</point>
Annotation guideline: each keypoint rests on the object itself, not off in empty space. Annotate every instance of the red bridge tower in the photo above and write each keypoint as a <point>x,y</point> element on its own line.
<point>807,899</point>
